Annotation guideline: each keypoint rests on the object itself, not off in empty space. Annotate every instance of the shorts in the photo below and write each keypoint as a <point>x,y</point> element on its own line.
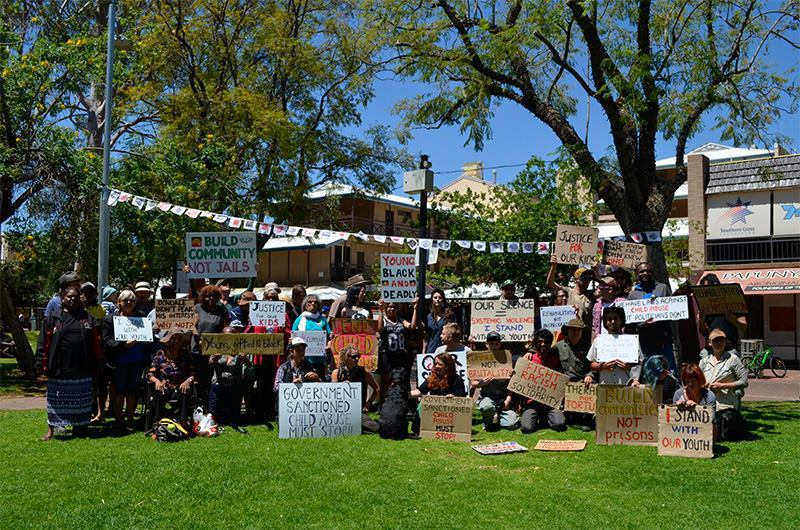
<point>128,377</point>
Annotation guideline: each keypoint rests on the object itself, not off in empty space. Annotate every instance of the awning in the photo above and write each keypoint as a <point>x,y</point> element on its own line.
<point>276,244</point>
<point>777,280</point>
<point>673,229</point>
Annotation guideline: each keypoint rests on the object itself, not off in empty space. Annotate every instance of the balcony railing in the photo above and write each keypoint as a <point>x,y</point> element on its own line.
<point>371,226</point>
<point>771,250</point>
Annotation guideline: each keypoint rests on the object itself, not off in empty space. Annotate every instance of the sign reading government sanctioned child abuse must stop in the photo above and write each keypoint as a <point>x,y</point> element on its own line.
<point>398,277</point>
<point>221,254</point>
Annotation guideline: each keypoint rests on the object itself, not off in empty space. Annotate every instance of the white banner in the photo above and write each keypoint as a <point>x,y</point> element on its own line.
<point>662,308</point>
<point>319,410</point>
<point>553,317</point>
<point>133,328</point>
<point>221,254</point>
<point>268,314</point>
<point>398,277</point>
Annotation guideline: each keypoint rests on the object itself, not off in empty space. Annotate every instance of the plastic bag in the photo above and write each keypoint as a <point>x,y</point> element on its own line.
<point>204,424</point>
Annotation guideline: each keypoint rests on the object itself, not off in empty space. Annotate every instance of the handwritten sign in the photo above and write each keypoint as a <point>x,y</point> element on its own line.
<point>268,314</point>
<point>359,333</point>
<point>241,343</point>
<point>444,418</point>
<point>425,366</point>
<point>221,254</point>
<point>319,410</point>
<point>560,445</point>
<point>719,299</point>
<point>501,448</point>
<point>133,328</point>
<point>623,347</point>
<point>624,254</point>
<point>553,317</point>
<point>175,314</point>
<point>580,398</point>
<point>688,432</point>
<point>538,382</point>
<point>514,320</point>
<point>627,415</point>
<point>482,364</point>
<point>398,277</point>
<point>662,308</point>
<point>317,340</point>
<point>576,245</point>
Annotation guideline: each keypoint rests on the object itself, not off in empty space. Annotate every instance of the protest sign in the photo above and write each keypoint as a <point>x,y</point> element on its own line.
<point>719,299</point>
<point>661,308</point>
<point>268,314</point>
<point>627,415</point>
<point>686,432</point>
<point>482,364</point>
<point>580,398</point>
<point>623,347</point>
<point>241,343</point>
<point>576,245</point>
<point>538,382</point>
<point>560,445</point>
<point>446,418</point>
<point>425,365</point>
<point>553,317</point>
<point>316,340</point>
<point>398,277</point>
<point>221,254</point>
<point>319,410</point>
<point>359,333</point>
<point>133,328</point>
<point>514,320</point>
<point>501,448</point>
<point>175,314</point>
<point>624,254</point>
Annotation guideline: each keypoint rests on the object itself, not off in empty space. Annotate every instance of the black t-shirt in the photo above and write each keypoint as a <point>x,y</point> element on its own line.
<point>456,388</point>
<point>72,354</point>
<point>356,375</point>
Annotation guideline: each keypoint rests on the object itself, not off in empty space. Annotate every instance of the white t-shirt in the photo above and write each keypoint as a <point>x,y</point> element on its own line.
<point>616,375</point>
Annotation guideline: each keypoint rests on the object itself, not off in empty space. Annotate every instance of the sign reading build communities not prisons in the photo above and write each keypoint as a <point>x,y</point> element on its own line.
<point>221,254</point>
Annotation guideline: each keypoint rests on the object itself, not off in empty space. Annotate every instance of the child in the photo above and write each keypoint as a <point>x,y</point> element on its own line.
<point>615,372</point>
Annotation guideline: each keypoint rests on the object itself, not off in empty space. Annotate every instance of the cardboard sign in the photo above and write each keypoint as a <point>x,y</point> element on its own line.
<point>241,343</point>
<point>662,308</point>
<point>580,398</point>
<point>501,448</point>
<point>687,432</point>
<point>425,366</point>
<point>444,418</point>
<point>482,364</point>
<point>623,347</point>
<point>221,254</point>
<point>175,314</point>
<point>319,410</point>
<point>398,277</point>
<point>514,320</point>
<point>317,342</point>
<point>576,245</point>
<point>719,299</point>
<point>538,382</point>
<point>624,254</point>
<point>360,333</point>
<point>553,317</point>
<point>268,314</point>
<point>627,415</point>
<point>560,445</point>
<point>133,328</point>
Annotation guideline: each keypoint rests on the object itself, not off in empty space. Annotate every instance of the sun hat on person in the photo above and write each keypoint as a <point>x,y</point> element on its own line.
<point>67,278</point>
<point>297,341</point>
<point>357,279</point>
<point>272,286</point>
<point>108,292</point>
<point>167,334</point>
<point>142,287</point>
<point>575,323</point>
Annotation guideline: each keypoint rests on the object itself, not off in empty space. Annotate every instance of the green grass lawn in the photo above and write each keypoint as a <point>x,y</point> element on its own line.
<point>12,381</point>
<point>258,480</point>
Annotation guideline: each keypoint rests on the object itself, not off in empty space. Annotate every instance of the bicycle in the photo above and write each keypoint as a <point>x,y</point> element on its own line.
<point>756,363</point>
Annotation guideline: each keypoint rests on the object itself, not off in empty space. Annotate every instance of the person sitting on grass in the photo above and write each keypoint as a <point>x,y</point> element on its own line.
<point>295,370</point>
<point>172,374</point>
<point>693,392</point>
<point>349,371</point>
<point>616,371</point>
<point>495,400</point>
<point>572,351</point>
<point>727,378</point>
<point>656,375</point>
<point>537,415</point>
<point>225,395</point>
<point>443,381</point>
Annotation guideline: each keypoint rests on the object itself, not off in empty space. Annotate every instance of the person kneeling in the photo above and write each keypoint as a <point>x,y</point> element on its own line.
<point>350,372</point>
<point>495,400</point>
<point>536,415</point>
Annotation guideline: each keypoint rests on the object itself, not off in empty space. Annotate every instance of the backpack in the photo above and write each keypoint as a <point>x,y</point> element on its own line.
<point>167,430</point>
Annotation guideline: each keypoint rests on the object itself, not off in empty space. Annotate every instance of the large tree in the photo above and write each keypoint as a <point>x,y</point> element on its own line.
<point>654,67</point>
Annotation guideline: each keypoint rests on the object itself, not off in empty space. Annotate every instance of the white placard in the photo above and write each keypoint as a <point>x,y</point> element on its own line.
<point>221,254</point>
<point>398,277</point>
<point>316,340</point>
<point>319,410</point>
<point>133,328</point>
<point>661,308</point>
<point>425,365</point>
<point>553,317</point>
<point>623,347</point>
<point>514,320</point>
<point>268,314</point>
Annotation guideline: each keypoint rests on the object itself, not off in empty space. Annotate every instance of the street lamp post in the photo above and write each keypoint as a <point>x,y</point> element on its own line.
<point>421,181</point>
<point>105,215</point>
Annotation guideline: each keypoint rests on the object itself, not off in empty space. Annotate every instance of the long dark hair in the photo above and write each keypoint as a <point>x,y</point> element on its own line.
<point>435,382</point>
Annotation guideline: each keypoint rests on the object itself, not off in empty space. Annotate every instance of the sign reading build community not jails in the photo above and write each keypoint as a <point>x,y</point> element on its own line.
<point>221,254</point>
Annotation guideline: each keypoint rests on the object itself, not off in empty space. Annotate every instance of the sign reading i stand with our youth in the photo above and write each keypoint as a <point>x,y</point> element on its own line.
<point>319,410</point>
<point>576,245</point>
<point>175,313</point>
<point>514,320</point>
<point>624,254</point>
<point>133,328</point>
<point>398,277</point>
<point>719,299</point>
<point>538,382</point>
<point>359,333</point>
<point>627,415</point>
<point>425,366</point>
<point>241,343</point>
<point>446,418</point>
<point>553,317</point>
<point>685,432</point>
<point>268,314</point>
<point>660,308</point>
<point>221,254</point>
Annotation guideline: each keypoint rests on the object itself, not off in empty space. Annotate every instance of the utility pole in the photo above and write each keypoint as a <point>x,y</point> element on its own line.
<point>421,181</point>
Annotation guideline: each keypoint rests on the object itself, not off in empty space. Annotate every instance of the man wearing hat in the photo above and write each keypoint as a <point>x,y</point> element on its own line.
<point>508,291</point>
<point>295,370</point>
<point>352,281</point>
<point>579,296</point>
<point>572,351</point>
<point>242,310</point>
<point>143,294</point>
<point>494,403</point>
<point>68,279</point>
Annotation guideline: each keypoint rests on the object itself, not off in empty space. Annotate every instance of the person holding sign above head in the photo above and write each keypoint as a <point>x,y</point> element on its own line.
<point>393,331</point>
<point>730,323</point>
<point>727,378</point>
<point>579,296</point>
<point>495,400</point>
<point>350,372</point>
<point>615,371</point>
<point>296,369</point>
<point>536,415</point>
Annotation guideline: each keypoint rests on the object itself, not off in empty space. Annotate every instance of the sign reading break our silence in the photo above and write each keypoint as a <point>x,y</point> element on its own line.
<point>221,254</point>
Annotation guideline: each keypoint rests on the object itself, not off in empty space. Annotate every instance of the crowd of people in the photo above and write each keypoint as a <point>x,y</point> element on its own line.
<point>92,377</point>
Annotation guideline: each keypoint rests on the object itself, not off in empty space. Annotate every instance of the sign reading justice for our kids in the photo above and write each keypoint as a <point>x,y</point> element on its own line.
<point>514,320</point>
<point>538,382</point>
<point>398,277</point>
<point>446,418</point>
<point>627,415</point>
<point>133,328</point>
<point>221,254</point>
<point>685,432</point>
<point>241,343</point>
<point>175,314</point>
<point>576,245</point>
<point>268,313</point>
<point>319,410</point>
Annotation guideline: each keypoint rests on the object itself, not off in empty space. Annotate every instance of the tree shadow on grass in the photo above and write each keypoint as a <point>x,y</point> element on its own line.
<point>761,419</point>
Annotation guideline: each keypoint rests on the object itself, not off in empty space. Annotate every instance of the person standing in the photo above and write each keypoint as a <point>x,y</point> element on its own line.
<point>439,315</point>
<point>579,296</point>
<point>615,371</point>
<point>352,281</point>
<point>727,378</point>
<point>655,338</point>
<point>394,353</point>
<point>68,279</point>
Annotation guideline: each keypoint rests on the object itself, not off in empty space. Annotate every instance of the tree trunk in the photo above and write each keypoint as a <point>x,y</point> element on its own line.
<point>23,350</point>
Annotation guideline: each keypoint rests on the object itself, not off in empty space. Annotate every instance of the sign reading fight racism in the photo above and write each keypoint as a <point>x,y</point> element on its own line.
<point>580,398</point>
<point>175,314</point>
<point>553,317</point>
<point>241,343</point>
<point>268,314</point>
<point>685,432</point>
<point>482,364</point>
<point>512,319</point>
<point>446,418</point>
<point>398,277</point>
<point>576,245</point>
<point>611,347</point>
<point>719,299</point>
<point>359,333</point>
<point>624,254</point>
<point>661,308</point>
<point>317,341</point>
<point>319,410</point>
<point>133,328</point>
<point>221,254</point>
<point>560,445</point>
<point>538,382</point>
<point>627,415</point>
<point>425,366</point>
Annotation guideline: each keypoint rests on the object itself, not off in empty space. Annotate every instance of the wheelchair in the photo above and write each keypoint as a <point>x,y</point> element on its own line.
<point>174,405</point>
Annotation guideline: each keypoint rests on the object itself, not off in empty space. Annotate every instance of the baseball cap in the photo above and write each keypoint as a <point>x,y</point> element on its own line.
<point>507,283</point>
<point>88,286</point>
<point>493,335</point>
<point>236,324</point>
<point>297,341</point>
<point>716,333</point>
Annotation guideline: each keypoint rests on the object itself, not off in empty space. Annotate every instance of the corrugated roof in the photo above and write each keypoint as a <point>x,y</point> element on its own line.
<point>717,153</point>
<point>765,173</point>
